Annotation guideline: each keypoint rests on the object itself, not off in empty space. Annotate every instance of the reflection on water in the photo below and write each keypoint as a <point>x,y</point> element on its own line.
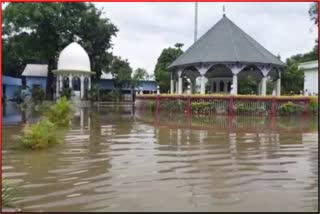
<point>115,159</point>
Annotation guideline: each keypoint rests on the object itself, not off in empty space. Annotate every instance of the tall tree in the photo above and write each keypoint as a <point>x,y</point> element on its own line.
<point>46,28</point>
<point>161,72</point>
<point>140,74</point>
<point>313,12</point>
<point>121,72</point>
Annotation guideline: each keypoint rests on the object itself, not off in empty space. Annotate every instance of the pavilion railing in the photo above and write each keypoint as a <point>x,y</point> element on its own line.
<point>224,105</point>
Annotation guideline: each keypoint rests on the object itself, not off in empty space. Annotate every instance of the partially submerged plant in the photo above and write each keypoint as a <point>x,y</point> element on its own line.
<point>39,136</point>
<point>8,194</point>
<point>61,113</point>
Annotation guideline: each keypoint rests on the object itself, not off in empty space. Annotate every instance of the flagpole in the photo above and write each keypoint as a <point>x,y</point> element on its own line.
<point>195,21</point>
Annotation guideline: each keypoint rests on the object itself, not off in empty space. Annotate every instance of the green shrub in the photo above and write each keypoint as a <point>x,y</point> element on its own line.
<point>173,105</point>
<point>290,108</point>
<point>61,113</point>
<point>313,106</point>
<point>37,94</point>
<point>8,194</point>
<point>204,107</point>
<point>151,105</point>
<point>39,136</point>
<point>66,92</point>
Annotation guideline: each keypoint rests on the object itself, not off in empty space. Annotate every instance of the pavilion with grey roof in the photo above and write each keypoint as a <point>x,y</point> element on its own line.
<point>224,54</point>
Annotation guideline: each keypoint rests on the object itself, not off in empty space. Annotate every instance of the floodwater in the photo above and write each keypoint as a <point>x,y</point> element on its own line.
<point>115,159</point>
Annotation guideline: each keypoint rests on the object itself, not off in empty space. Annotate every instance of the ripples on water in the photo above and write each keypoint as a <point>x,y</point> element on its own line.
<point>114,160</point>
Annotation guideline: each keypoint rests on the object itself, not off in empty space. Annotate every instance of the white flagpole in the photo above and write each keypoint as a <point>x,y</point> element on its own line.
<point>195,21</point>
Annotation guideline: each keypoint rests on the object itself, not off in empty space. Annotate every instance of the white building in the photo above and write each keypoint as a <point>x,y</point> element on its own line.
<point>74,71</point>
<point>310,70</point>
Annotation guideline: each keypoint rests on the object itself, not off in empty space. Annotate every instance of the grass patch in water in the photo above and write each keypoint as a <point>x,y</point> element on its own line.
<point>9,194</point>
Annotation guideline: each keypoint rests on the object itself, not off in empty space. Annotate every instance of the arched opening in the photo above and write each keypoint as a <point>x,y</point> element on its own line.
<point>76,83</point>
<point>214,86</point>
<point>86,87</point>
<point>65,82</point>
<point>189,76</point>
<point>229,86</point>
<point>221,86</point>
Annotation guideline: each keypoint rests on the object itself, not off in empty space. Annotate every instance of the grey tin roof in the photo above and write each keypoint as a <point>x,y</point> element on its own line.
<point>226,42</point>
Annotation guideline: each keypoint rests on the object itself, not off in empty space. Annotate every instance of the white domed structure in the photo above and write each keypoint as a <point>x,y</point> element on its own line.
<point>74,71</point>
<point>74,57</point>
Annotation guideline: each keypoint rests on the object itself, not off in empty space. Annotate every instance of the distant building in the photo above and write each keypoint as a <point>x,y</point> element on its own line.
<point>36,75</point>
<point>9,86</point>
<point>310,70</point>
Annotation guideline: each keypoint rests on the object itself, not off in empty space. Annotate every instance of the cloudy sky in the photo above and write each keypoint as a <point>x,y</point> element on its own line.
<point>145,29</point>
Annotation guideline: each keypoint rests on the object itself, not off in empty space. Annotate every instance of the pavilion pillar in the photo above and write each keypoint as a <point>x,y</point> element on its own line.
<point>278,82</point>
<point>177,86</point>
<point>265,69</point>
<point>81,87</point>
<point>70,81</point>
<point>235,84</point>
<point>171,84</point>
<point>180,88</point>
<point>225,86</point>
<point>264,86</point>
<point>235,69</point>
<point>203,85</point>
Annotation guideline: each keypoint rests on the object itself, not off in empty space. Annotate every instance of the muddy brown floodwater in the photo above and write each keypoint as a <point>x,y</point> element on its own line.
<point>115,159</point>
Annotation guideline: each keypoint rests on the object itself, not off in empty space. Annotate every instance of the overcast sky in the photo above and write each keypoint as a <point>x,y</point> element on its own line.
<point>145,29</point>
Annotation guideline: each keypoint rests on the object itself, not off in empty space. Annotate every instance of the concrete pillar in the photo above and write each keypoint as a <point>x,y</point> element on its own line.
<point>264,86</point>
<point>57,87</point>
<point>177,87</point>
<point>171,86</point>
<point>60,82</point>
<point>70,81</point>
<point>89,83</point>
<point>235,84</point>
<point>180,89</point>
<point>81,87</point>
<point>203,85</point>
<point>278,91</point>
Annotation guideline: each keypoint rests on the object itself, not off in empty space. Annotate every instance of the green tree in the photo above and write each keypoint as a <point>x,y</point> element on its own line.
<point>37,32</point>
<point>140,74</point>
<point>121,72</point>
<point>292,79</point>
<point>161,72</point>
<point>313,12</point>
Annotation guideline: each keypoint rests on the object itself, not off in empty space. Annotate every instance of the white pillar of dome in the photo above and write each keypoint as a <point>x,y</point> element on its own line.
<point>89,82</point>
<point>235,69</point>
<point>265,71</point>
<point>60,82</point>
<point>57,87</point>
<point>81,87</point>
<point>70,81</point>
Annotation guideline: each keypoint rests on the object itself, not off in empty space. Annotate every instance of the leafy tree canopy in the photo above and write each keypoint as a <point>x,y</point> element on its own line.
<point>161,73</point>
<point>37,32</point>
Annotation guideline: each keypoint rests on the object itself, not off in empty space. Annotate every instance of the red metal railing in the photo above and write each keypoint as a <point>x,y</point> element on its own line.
<point>225,105</point>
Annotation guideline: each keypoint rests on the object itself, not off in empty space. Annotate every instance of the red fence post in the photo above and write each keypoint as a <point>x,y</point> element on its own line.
<point>188,110</point>
<point>231,107</point>
<point>306,106</point>
<point>273,107</point>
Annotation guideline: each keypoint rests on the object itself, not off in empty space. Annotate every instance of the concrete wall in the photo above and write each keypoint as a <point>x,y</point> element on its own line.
<point>9,90</point>
<point>311,81</point>
<point>42,81</point>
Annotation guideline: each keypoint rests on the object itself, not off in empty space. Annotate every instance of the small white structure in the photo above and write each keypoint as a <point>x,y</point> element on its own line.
<point>310,70</point>
<point>74,71</point>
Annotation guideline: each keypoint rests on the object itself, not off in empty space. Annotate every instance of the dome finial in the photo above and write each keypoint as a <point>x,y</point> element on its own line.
<point>224,10</point>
